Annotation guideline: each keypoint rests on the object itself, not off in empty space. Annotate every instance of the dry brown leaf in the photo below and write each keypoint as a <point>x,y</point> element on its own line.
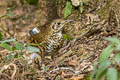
<point>4,51</point>
<point>80,77</point>
<point>66,75</point>
<point>74,61</point>
<point>91,18</point>
<point>63,74</point>
<point>77,25</point>
<point>63,56</point>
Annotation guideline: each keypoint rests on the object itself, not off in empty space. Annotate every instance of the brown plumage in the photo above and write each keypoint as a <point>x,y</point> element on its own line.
<point>49,37</point>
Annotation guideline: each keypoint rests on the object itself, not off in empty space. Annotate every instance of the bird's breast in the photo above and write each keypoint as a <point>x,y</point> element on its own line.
<point>53,42</point>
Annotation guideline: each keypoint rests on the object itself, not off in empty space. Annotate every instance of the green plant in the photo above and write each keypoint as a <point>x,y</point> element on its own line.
<point>69,7</point>
<point>8,13</point>
<point>0,35</point>
<point>67,37</point>
<point>17,47</point>
<point>108,67</point>
<point>81,7</point>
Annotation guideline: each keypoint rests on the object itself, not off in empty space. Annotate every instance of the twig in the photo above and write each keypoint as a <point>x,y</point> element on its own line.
<point>7,66</point>
<point>6,31</point>
<point>61,68</point>
<point>6,76</point>
<point>63,56</point>
<point>3,16</point>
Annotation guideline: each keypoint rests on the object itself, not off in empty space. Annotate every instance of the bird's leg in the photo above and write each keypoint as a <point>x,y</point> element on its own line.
<point>43,62</point>
<point>42,54</point>
<point>43,58</point>
<point>54,61</point>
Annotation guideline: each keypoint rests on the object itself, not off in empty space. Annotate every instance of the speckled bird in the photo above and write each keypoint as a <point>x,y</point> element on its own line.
<point>50,37</point>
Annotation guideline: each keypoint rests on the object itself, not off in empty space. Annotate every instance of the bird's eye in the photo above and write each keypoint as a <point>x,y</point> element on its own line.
<point>58,23</point>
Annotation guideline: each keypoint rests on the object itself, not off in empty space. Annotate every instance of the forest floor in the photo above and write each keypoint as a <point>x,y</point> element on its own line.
<point>76,58</point>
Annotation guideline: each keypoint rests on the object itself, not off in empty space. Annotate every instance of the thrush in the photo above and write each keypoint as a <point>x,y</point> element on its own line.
<point>50,37</point>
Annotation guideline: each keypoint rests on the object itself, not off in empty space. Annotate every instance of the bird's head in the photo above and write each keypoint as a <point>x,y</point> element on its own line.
<point>58,24</point>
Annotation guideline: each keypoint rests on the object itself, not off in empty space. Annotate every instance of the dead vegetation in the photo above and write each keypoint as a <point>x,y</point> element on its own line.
<point>100,19</point>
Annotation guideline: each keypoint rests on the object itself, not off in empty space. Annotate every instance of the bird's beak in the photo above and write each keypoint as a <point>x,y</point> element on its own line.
<point>67,21</point>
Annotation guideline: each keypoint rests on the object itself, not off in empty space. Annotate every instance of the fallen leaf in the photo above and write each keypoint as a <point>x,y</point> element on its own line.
<point>79,77</point>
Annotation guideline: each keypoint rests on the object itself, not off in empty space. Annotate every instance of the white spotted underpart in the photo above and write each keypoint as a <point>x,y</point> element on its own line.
<point>51,42</point>
<point>35,30</point>
<point>59,35</point>
<point>50,46</point>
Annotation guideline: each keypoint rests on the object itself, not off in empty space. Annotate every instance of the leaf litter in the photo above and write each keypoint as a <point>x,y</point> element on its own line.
<point>74,60</point>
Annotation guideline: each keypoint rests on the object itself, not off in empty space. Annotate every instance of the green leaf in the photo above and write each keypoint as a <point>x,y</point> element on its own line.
<point>8,9</point>
<point>113,40</point>
<point>8,40</point>
<point>106,53</point>
<point>118,47</point>
<point>68,9</point>
<point>11,14</point>
<point>81,9</point>
<point>102,70</point>
<point>112,74</point>
<point>117,58</point>
<point>0,35</point>
<point>81,3</point>
<point>14,48</point>
<point>95,70</point>
<point>33,49</point>
<point>19,46</point>
<point>66,37</point>
<point>9,57</point>
<point>6,46</point>
<point>102,77</point>
<point>33,44</point>
<point>118,75</point>
<point>46,68</point>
